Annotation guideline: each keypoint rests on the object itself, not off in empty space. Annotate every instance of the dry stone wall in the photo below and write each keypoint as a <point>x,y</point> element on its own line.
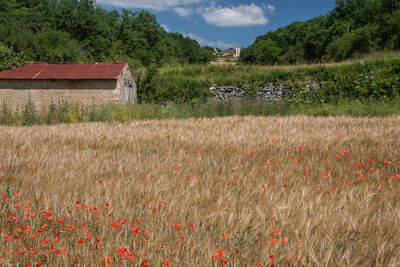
<point>271,91</point>
<point>266,92</point>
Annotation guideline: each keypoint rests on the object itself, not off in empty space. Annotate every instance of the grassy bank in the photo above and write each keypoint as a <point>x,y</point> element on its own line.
<point>371,77</point>
<point>70,113</point>
<point>243,74</point>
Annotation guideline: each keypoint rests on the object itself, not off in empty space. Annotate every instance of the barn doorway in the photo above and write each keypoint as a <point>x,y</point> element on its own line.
<point>128,92</point>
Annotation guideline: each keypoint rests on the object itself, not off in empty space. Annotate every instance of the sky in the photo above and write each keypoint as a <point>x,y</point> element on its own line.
<point>223,23</point>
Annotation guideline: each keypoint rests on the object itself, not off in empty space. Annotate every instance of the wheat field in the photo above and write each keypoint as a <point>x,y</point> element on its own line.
<point>233,191</point>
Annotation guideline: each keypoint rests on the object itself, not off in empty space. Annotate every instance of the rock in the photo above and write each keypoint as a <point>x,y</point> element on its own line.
<point>270,91</point>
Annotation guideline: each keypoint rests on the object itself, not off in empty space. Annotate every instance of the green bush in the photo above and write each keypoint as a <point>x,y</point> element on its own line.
<point>29,116</point>
<point>6,116</point>
<point>252,88</point>
<point>8,58</point>
<point>147,84</point>
<point>322,73</point>
<point>183,91</point>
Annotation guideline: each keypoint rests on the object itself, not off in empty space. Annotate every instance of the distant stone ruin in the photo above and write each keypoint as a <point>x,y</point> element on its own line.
<point>271,91</point>
<point>266,92</point>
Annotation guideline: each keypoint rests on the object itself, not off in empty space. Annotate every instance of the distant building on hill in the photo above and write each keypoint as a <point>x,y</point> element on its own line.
<point>237,54</point>
<point>231,52</point>
<point>81,83</point>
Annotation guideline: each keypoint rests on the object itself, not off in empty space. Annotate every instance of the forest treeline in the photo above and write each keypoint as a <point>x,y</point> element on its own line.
<point>81,30</point>
<point>352,28</point>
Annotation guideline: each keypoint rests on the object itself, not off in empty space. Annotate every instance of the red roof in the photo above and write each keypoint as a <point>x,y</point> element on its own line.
<point>231,50</point>
<point>65,71</point>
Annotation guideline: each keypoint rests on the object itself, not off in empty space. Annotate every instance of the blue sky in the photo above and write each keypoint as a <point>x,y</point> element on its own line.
<point>223,23</point>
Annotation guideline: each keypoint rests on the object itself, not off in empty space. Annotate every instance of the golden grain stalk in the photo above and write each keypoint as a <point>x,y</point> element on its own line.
<point>190,181</point>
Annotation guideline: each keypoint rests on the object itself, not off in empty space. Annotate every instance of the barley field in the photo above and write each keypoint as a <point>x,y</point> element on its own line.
<point>233,191</point>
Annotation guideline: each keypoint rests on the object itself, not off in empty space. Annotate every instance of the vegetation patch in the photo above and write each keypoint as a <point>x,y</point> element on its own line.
<point>352,28</point>
<point>63,112</point>
<point>82,31</point>
<point>370,78</point>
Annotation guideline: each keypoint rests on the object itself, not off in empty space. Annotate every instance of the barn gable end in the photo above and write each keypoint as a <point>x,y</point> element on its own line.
<point>80,83</point>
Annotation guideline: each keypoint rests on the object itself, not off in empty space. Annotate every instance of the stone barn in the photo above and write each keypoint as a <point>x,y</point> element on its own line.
<point>79,83</point>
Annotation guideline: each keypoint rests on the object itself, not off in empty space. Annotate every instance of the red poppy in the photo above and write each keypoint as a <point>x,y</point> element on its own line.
<point>221,253</point>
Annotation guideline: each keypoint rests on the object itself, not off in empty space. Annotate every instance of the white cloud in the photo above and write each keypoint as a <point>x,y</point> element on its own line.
<point>205,42</point>
<point>242,15</point>
<point>166,28</point>
<point>270,8</point>
<point>184,12</point>
<point>149,4</point>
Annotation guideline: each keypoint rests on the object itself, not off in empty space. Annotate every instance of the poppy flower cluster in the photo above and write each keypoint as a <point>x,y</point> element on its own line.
<point>175,213</point>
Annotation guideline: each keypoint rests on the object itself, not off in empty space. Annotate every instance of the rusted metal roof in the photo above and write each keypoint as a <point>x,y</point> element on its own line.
<point>65,71</point>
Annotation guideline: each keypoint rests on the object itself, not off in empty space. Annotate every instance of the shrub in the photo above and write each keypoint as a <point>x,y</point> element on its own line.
<point>8,58</point>
<point>29,113</point>
<point>6,116</point>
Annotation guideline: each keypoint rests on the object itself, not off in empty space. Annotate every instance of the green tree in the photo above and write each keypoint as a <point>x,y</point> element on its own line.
<point>72,30</point>
<point>394,30</point>
<point>340,48</point>
<point>353,27</point>
<point>8,58</point>
<point>266,52</point>
<point>295,55</point>
<point>55,46</point>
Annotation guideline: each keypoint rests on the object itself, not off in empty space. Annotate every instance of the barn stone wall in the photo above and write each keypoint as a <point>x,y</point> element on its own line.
<point>43,92</point>
<point>16,93</point>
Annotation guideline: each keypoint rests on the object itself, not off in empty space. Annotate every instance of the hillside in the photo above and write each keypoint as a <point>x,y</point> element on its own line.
<point>371,78</point>
<point>353,28</point>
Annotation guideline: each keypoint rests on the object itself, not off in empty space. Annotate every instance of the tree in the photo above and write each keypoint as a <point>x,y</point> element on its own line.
<point>6,5</point>
<point>8,58</point>
<point>56,46</point>
<point>295,55</point>
<point>72,30</point>
<point>340,48</point>
<point>394,30</point>
<point>266,52</point>
<point>352,28</point>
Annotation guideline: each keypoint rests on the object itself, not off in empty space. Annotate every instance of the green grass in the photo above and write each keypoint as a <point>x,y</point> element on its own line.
<point>244,74</point>
<point>359,79</point>
<point>70,113</point>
